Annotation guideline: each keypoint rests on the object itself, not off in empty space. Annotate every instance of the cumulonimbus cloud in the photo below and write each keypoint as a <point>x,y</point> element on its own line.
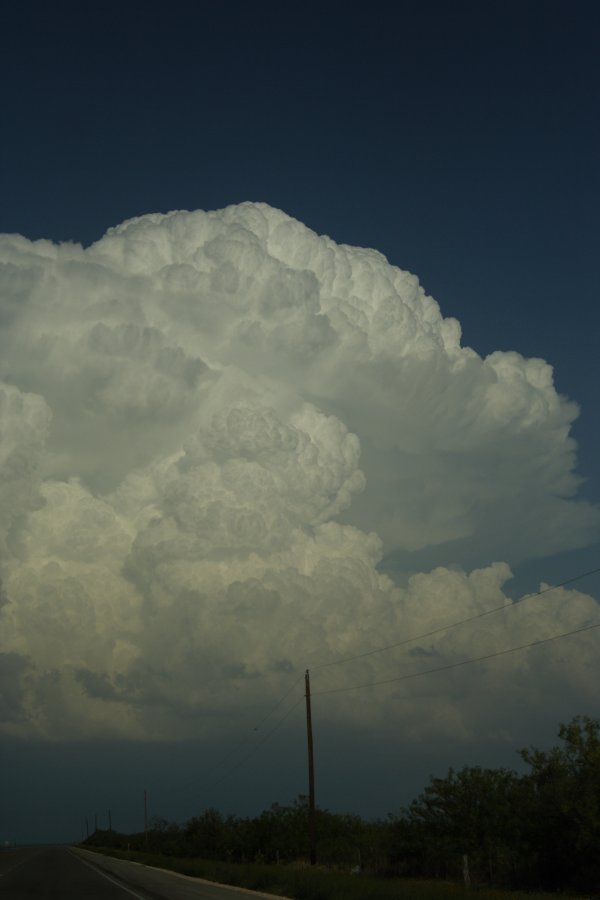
<point>212,427</point>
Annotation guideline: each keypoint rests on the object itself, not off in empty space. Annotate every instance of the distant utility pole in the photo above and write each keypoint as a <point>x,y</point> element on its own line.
<point>109,821</point>
<point>95,821</point>
<point>312,832</point>
<point>146,813</point>
<point>87,828</point>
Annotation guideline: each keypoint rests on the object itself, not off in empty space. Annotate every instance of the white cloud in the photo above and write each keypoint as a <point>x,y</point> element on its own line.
<point>24,421</point>
<point>212,427</point>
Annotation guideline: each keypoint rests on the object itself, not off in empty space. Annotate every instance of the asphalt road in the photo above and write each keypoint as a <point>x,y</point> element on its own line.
<point>60,873</point>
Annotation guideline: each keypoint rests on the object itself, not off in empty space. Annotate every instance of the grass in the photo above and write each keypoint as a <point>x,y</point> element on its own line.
<point>318,883</point>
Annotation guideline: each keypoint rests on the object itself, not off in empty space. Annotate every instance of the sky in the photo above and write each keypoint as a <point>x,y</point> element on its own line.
<point>298,327</point>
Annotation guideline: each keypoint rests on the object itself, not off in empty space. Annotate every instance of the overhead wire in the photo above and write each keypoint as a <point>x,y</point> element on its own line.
<point>249,738</point>
<point>246,742</point>
<point>426,634</point>
<point>259,744</point>
<point>456,665</point>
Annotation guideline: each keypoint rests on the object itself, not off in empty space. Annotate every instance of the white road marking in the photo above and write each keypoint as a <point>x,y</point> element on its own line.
<point>108,878</point>
<point>195,879</point>
<point>16,865</point>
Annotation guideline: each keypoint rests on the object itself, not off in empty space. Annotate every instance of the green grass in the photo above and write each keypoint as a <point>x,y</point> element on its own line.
<point>319,883</point>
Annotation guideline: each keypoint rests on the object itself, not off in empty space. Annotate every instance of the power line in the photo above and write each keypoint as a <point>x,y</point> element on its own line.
<point>489,612</point>
<point>248,739</point>
<point>464,662</point>
<point>278,704</point>
<point>259,744</point>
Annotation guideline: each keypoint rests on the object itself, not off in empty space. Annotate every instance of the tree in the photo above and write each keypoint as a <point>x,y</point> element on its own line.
<point>564,807</point>
<point>473,811</point>
<point>207,835</point>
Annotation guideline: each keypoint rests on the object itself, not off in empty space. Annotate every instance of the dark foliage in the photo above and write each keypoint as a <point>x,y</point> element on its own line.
<point>541,829</point>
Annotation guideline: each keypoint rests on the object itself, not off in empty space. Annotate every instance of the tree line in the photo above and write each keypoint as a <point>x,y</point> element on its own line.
<point>540,829</point>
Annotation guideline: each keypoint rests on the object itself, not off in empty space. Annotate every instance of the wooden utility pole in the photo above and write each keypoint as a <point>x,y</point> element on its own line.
<point>109,821</point>
<point>312,831</point>
<point>146,813</point>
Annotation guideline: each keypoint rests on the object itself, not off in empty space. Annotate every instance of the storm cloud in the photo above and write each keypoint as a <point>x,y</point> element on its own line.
<point>213,428</point>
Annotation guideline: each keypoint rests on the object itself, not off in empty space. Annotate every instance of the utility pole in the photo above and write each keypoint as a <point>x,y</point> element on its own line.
<point>95,821</point>
<point>146,814</point>
<point>109,821</point>
<point>312,832</point>
<point>87,828</point>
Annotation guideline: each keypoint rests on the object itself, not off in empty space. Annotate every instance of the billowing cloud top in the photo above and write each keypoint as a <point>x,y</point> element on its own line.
<point>212,426</point>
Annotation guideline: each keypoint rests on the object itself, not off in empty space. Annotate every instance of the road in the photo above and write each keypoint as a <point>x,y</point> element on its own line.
<point>61,873</point>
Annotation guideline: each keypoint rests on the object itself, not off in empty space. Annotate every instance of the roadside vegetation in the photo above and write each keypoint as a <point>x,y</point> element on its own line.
<point>475,831</point>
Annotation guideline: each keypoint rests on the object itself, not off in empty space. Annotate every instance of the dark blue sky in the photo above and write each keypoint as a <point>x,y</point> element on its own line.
<point>460,139</point>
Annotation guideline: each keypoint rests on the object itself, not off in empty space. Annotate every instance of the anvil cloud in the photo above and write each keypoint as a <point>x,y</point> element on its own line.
<point>212,428</point>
